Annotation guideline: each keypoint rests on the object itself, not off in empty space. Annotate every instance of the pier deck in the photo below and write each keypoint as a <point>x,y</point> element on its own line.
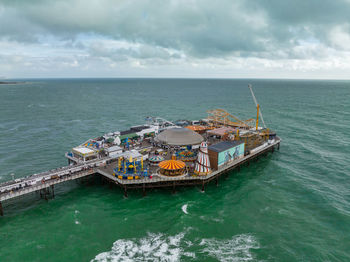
<point>164,181</point>
<point>26,185</point>
<point>46,180</point>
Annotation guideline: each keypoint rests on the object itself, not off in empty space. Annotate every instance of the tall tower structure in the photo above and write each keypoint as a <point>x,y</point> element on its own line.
<point>202,167</point>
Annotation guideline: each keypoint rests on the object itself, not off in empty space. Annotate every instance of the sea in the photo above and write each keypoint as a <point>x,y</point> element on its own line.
<point>292,205</point>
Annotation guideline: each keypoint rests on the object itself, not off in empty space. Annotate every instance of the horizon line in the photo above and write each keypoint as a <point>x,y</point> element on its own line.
<point>194,78</point>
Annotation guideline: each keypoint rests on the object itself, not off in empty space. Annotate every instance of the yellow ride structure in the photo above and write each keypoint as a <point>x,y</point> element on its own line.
<point>220,117</point>
<point>256,135</point>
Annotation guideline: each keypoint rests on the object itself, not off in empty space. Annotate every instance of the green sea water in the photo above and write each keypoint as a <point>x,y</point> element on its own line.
<point>293,205</point>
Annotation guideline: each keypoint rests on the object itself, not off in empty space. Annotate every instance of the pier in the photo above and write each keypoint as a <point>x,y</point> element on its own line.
<point>158,154</point>
<point>46,181</point>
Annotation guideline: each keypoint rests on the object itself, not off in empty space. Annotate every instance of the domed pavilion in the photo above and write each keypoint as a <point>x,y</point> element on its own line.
<point>179,137</point>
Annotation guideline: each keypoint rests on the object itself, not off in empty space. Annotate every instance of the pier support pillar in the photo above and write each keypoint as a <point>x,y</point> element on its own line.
<point>1,210</point>
<point>203,186</point>
<point>45,193</point>
<point>143,190</point>
<point>174,190</point>
<point>53,191</point>
<point>125,192</point>
<point>278,146</point>
<point>217,181</point>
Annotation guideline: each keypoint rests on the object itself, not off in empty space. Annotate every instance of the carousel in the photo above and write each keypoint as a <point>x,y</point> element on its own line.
<point>155,160</point>
<point>186,155</point>
<point>172,168</point>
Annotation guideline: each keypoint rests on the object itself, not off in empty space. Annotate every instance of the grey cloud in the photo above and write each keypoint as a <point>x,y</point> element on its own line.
<point>14,27</point>
<point>301,12</point>
<point>196,28</point>
<point>142,51</point>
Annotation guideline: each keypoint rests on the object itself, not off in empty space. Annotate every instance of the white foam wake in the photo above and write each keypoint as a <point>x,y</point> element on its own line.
<point>159,247</point>
<point>184,209</point>
<point>76,212</point>
<point>153,247</point>
<point>236,249</point>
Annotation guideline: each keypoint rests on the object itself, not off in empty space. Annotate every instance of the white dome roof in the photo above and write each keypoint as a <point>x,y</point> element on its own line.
<point>179,137</point>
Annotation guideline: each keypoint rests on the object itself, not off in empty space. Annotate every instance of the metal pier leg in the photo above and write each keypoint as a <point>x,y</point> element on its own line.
<point>143,190</point>
<point>53,191</point>
<point>217,180</point>
<point>203,186</point>
<point>278,146</point>
<point>272,149</point>
<point>174,190</point>
<point>1,210</point>
<point>125,192</point>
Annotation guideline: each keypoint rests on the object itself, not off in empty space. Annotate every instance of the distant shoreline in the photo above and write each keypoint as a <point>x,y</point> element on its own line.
<point>10,83</point>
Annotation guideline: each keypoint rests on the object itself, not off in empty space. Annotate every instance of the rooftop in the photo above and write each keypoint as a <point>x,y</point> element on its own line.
<point>179,137</point>
<point>224,145</point>
<point>221,131</point>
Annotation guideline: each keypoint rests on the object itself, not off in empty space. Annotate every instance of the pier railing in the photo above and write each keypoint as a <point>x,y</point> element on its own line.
<point>46,184</point>
<point>14,188</point>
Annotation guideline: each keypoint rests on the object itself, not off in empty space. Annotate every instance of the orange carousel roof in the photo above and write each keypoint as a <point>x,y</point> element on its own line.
<point>172,164</point>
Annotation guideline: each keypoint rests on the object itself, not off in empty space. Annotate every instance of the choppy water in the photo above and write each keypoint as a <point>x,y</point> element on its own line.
<point>293,205</point>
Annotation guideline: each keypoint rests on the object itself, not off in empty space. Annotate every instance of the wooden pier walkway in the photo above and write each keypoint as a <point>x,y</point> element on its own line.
<point>44,182</point>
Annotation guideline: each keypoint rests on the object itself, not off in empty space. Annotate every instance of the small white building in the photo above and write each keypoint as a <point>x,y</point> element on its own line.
<point>84,153</point>
<point>151,130</point>
<point>114,151</point>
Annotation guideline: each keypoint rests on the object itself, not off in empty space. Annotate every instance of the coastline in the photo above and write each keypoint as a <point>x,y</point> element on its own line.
<point>10,83</point>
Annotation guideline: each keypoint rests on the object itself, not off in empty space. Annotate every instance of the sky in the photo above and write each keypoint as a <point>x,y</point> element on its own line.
<point>295,39</point>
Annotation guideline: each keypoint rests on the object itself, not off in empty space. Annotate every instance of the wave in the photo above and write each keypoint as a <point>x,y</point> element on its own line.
<point>159,247</point>
<point>236,249</point>
<point>184,209</point>
<point>153,247</point>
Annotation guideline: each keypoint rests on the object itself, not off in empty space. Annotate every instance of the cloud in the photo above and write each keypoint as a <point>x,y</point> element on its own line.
<point>155,32</point>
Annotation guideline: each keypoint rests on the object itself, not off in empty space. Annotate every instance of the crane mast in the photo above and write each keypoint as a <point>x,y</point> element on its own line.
<point>258,113</point>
